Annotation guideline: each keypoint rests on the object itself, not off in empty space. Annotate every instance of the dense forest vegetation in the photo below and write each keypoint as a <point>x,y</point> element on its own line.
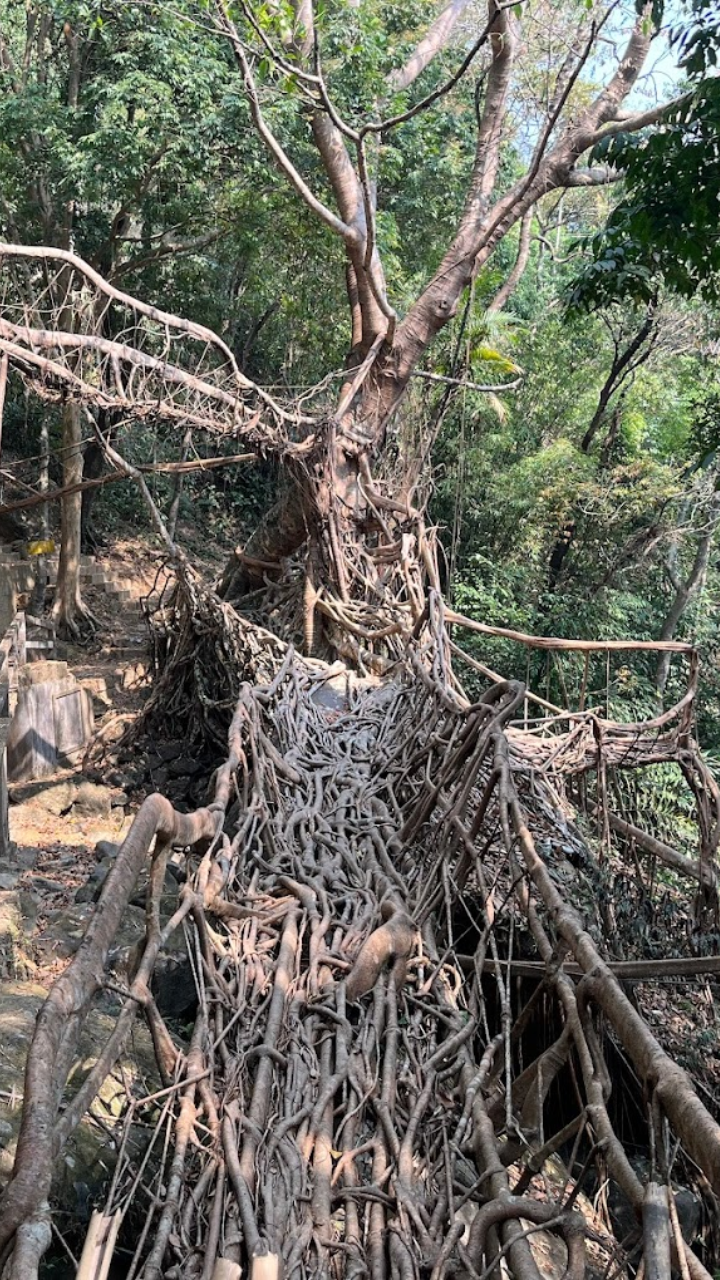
<point>439,283</point>
<point>576,494</point>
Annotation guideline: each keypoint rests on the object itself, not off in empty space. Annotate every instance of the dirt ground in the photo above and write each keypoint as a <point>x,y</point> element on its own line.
<point>56,837</point>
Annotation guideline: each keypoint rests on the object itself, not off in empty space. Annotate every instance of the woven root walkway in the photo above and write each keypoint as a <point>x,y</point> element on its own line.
<point>358,1098</point>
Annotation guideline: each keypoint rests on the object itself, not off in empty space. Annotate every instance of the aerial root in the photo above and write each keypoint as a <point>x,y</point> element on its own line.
<point>367,1090</point>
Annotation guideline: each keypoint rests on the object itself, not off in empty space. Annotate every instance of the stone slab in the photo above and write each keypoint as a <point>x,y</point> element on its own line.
<point>53,720</point>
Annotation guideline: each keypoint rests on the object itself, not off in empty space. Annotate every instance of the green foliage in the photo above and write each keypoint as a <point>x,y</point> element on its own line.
<point>664,228</point>
<point>134,150</point>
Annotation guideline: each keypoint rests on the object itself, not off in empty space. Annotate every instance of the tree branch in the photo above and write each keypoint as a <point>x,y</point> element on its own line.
<point>331,220</point>
<point>481,228</point>
<point>432,43</point>
<point>633,122</point>
<point>523,256</point>
<point>204,385</point>
<point>111,477</point>
<point>383,126</point>
<point>622,365</point>
<point>167,249</point>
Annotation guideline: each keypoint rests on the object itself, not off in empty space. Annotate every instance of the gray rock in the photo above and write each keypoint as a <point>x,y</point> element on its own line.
<point>689,1211</point>
<point>173,985</point>
<point>116,778</point>
<point>183,767</point>
<point>58,798</point>
<point>81,1174</point>
<point>65,930</point>
<point>92,800</point>
<point>8,880</point>
<point>11,931</point>
<point>47,885</point>
<point>168,900</point>
<point>26,856</point>
<point>106,849</point>
<point>91,890</point>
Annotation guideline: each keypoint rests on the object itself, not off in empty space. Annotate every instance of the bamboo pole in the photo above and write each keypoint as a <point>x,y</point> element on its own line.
<point>99,1246</point>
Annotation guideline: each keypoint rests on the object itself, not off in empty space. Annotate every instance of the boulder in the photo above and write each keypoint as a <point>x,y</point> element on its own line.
<point>106,849</point>
<point>173,982</point>
<point>46,884</point>
<point>11,931</point>
<point>91,890</point>
<point>83,1170</point>
<point>92,800</point>
<point>64,931</point>
<point>58,798</point>
<point>24,857</point>
<point>184,767</point>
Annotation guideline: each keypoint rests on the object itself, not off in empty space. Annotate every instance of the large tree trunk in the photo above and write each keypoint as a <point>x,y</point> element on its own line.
<point>280,533</point>
<point>69,611</point>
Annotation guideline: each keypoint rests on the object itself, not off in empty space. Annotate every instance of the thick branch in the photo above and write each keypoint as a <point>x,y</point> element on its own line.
<point>283,161</point>
<point>30,1186</point>
<point>432,43</point>
<point>523,257</point>
<point>482,227</point>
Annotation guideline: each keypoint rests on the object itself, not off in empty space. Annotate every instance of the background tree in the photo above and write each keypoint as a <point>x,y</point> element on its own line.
<point>111,144</point>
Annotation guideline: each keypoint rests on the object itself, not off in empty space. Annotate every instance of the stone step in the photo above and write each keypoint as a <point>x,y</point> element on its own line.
<point>92,574</point>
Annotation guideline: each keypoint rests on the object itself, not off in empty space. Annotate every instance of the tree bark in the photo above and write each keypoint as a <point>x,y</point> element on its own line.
<point>687,589</point>
<point>656,1233</point>
<point>279,534</point>
<point>3,388</point>
<point>69,611</point>
<point>174,511</point>
<point>506,290</point>
<point>92,469</point>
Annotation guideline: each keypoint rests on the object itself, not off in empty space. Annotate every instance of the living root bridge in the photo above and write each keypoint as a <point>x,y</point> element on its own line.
<point>355,1100</point>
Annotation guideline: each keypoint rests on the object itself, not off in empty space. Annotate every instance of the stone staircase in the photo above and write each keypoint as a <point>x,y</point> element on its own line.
<point>20,571</point>
<point>17,580</point>
<point>93,574</point>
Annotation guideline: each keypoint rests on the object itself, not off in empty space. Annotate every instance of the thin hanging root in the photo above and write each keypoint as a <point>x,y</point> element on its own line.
<point>356,1089</point>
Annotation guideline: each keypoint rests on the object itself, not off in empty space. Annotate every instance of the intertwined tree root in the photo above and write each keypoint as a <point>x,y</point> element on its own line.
<point>362,1094</point>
